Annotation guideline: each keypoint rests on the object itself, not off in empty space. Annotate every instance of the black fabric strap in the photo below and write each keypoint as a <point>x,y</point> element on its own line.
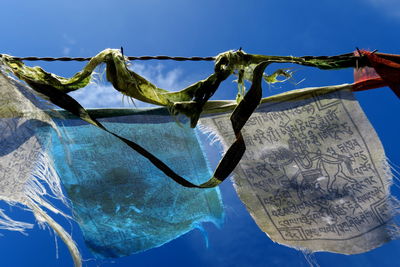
<point>227,164</point>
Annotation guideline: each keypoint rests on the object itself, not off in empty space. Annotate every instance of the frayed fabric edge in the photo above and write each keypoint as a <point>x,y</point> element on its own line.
<point>34,200</point>
<point>42,217</point>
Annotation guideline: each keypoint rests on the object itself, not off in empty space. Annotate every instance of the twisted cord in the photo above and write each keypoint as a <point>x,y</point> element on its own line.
<point>343,56</point>
<point>130,58</point>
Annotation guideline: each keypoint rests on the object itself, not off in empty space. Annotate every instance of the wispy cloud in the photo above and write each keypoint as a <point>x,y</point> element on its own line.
<point>69,42</point>
<point>68,39</point>
<point>66,51</point>
<point>99,96</point>
<point>158,75</point>
<point>389,7</point>
<point>103,95</point>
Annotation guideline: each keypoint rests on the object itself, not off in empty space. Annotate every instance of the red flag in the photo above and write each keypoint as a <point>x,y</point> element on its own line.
<point>385,71</point>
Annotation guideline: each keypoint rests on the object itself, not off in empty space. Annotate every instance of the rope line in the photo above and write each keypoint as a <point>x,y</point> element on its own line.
<point>130,58</point>
<point>163,57</point>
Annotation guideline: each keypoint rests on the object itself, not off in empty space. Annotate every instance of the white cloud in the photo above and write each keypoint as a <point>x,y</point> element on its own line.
<point>68,42</point>
<point>68,39</point>
<point>99,96</point>
<point>389,7</point>
<point>170,80</point>
<point>66,51</point>
<point>102,95</point>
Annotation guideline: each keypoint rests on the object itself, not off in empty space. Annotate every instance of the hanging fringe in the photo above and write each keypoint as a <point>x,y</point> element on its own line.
<point>43,217</point>
<point>29,177</point>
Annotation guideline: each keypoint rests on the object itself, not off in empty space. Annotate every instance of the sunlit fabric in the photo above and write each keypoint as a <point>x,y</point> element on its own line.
<point>27,176</point>
<point>314,175</point>
<point>122,203</point>
<point>310,177</point>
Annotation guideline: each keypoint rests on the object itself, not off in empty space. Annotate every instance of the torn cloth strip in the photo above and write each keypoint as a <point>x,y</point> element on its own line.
<point>54,88</point>
<point>314,173</point>
<point>122,203</point>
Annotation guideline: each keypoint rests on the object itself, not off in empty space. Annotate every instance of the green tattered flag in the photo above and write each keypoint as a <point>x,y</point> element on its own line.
<point>55,88</point>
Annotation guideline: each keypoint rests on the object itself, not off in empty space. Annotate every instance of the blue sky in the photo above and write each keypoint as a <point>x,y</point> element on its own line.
<point>202,28</point>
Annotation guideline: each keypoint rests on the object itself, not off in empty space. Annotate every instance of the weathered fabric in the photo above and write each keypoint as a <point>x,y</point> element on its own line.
<point>54,88</point>
<point>314,173</point>
<point>122,203</point>
<point>190,101</point>
<point>133,85</point>
<point>151,211</point>
<point>23,156</point>
<point>385,67</point>
<point>24,165</point>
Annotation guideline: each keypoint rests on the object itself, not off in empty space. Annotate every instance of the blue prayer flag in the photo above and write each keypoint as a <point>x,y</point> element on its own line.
<point>123,203</point>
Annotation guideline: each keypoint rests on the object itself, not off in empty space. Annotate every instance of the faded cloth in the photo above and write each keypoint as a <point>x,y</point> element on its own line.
<point>25,168</point>
<point>314,175</point>
<point>122,203</point>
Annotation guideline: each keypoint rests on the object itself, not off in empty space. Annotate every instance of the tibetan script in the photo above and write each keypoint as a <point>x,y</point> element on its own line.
<point>314,174</point>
